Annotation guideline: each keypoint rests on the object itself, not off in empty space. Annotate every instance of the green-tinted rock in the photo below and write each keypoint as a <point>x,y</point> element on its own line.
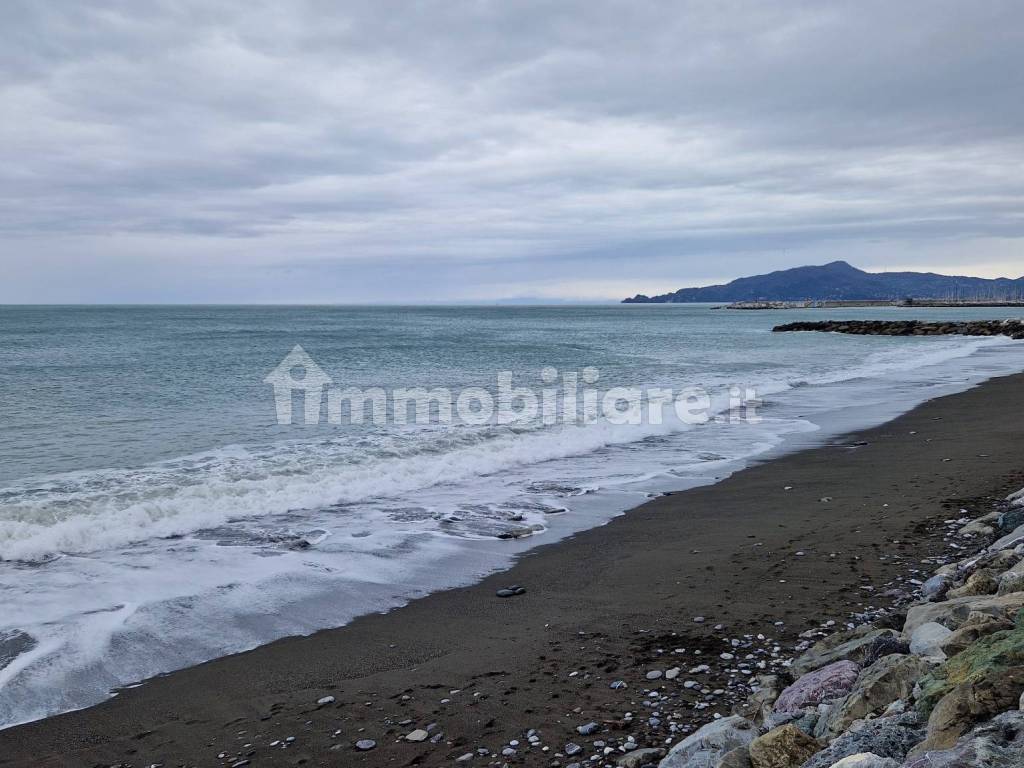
<point>998,653</point>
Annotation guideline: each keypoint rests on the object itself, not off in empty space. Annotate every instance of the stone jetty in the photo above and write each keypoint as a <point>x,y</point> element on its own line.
<point>1012,328</point>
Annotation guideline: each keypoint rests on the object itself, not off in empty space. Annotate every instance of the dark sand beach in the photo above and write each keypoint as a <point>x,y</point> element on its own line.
<point>612,603</point>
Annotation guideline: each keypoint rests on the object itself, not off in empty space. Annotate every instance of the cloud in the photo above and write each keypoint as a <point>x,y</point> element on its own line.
<point>233,151</point>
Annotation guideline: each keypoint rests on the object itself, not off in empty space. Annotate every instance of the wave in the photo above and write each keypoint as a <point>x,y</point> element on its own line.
<point>90,511</point>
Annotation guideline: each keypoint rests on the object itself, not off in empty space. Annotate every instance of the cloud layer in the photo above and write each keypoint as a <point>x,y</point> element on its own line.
<point>218,150</point>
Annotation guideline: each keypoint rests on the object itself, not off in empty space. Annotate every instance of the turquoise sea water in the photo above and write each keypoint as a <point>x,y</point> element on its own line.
<point>154,514</point>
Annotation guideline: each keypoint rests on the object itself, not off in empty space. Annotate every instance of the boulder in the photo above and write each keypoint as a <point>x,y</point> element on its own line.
<point>953,613</point>
<point>890,737</point>
<point>927,640</point>
<point>738,758</point>
<point>890,679</point>
<point>866,760</point>
<point>982,582</point>
<point>842,646</point>
<point>785,747</point>
<point>1011,580</point>
<point>758,706</point>
<point>936,586</point>
<point>824,685</point>
<point>1012,518</point>
<point>998,743</point>
<point>983,680</point>
<point>705,748</point>
<point>977,626</point>
<point>1010,540</point>
<point>639,757</point>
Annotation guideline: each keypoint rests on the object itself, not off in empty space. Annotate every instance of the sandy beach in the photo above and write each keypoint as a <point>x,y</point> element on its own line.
<point>804,539</point>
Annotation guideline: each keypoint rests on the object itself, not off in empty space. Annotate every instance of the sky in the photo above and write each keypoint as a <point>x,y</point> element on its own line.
<point>470,150</point>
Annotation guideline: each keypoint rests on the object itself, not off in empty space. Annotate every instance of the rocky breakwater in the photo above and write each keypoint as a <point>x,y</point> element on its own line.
<point>939,687</point>
<point>1012,328</point>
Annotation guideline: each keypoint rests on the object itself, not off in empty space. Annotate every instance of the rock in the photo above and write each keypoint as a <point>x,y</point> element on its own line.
<point>891,737</point>
<point>1011,519</point>
<point>977,528</point>
<point>673,673</point>
<point>824,685</point>
<point>998,743</point>
<point>1010,540</point>
<point>982,582</point>
<point>639,757</point>
<point>758,706</point>
<point>418,735</point>
<point>512,591</point>
<point>785,747</point>
<point>654,674</point>
<point>325,701</point>
<point>888,680</point>
<point>586,730</point>
<point>571,749</point>
<point>983,680</point>
<point>936,586</point>
<point>866,760</point>
<point>707,746</point>
<point>883,646</point>
<point>953,613</point>
<point>927,640</point>
<point>976,626</point>
<point>842,646</point>
<point>738,758</point>
<point>365,745</point>
<point>1011,580</point>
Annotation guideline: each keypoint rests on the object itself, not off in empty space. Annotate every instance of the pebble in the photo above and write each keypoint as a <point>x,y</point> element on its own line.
<point>325,700</point>
<point>654,674</point>
<point>586,730</point>
<point>464,758</point>
<point>418,735</point>
<point>512,591</point>
<point>365,745</point>
<point>673,673</point>
<point>571,749</point>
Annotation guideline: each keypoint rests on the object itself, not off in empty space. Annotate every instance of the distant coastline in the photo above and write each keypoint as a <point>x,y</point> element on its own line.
<point>839,284</point>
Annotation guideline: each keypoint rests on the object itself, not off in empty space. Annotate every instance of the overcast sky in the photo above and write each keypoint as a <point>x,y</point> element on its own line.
<point>283,151</point>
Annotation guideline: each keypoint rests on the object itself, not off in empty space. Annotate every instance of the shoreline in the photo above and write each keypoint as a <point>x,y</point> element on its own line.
<point>661,564</point>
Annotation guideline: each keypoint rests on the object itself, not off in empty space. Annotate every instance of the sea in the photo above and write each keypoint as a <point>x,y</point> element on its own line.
<point>155,512</point>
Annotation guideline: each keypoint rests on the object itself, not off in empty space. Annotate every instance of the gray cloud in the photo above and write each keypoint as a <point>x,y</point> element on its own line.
<point>230,151</point>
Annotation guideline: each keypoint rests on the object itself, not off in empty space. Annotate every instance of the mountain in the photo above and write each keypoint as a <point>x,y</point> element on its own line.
<point>840,281</point>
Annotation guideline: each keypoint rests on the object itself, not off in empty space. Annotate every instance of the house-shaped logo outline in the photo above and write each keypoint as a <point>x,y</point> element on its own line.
<point>312,383</point>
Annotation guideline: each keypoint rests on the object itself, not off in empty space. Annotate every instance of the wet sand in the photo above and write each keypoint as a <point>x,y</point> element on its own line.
<point>609,604</point>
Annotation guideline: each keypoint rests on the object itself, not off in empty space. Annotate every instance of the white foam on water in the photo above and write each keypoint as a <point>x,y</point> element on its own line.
<point>300,535</point>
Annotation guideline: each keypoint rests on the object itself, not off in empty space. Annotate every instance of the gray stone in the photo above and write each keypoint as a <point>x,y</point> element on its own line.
<point>364,745</point>
<point>416,736</point>
<point>586,730</point>
<point>927,640</point>
<point>852,645</point>
<point>953,613</point>
<point>1010,540</point>
<point>890,737</point>
<point>639,757</point>
<point>998,743</point>
<point>936,586</point>
<point>706,747</point>
<point>866,760</point>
